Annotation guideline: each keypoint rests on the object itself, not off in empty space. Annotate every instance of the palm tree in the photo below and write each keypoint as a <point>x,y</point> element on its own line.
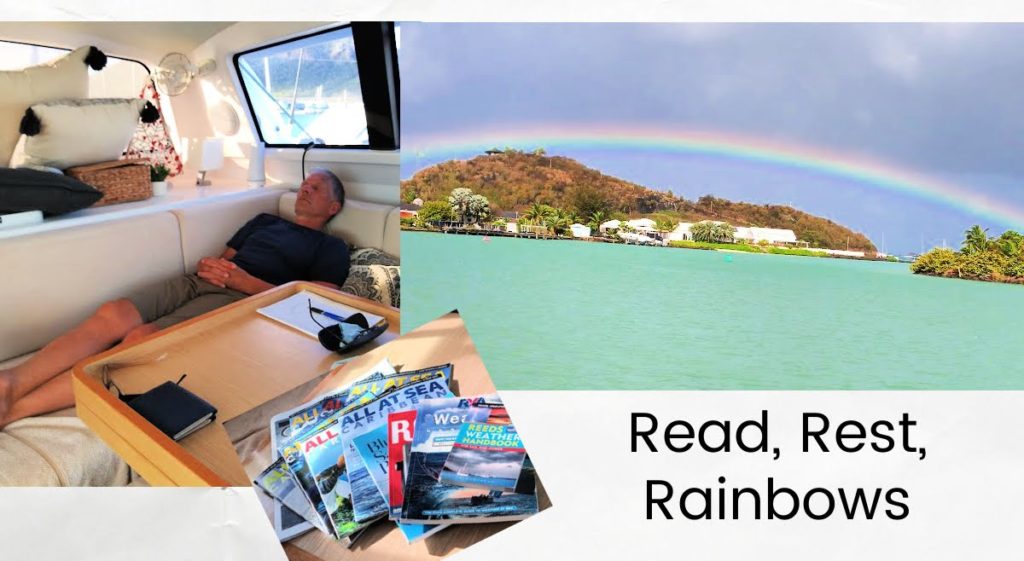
<point>1011,243</point>
<point>537,212</point>
<point>558,222</point>
<point>596,219</point>
<point>703,231</point>
<point>666,224</point>
<point>723,232</point>
<point>975,240</point>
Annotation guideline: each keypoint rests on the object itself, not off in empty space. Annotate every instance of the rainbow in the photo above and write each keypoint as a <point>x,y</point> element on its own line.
<point>716,144</point>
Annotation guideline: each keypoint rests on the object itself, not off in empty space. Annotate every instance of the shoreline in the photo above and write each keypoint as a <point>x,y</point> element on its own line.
<point>695,246</point>
<point>1001,280</point>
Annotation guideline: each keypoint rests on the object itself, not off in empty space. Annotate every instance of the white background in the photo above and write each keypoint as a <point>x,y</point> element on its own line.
<point>966,497</point>
<point>135,524</point>
<point>520,10</point>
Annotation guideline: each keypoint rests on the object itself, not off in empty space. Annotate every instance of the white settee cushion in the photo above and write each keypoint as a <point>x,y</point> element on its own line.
<point>66,77</point>
<point>359,223</point>
<point>59,278</point>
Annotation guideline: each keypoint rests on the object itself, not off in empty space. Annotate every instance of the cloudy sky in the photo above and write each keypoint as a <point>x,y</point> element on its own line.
<point>940,101</point>
<point>488,463</point>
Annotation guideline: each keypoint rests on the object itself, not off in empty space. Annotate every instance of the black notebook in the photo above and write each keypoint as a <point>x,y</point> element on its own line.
<point>174,410</point>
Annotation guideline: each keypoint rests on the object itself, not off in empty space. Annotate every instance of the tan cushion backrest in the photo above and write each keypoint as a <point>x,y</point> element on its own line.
<point>392,230</point>
<point>206,228</point>
<point>57,279</point>
<point>359,223</point>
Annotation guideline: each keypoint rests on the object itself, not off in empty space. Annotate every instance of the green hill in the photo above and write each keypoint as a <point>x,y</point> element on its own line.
<point>514,180</point>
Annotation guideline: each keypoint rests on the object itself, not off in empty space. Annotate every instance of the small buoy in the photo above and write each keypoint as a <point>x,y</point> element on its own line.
<point>487,239</point>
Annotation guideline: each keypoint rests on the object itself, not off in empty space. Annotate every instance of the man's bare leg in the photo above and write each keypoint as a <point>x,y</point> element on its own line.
<point>56,393</point>
<point>110,324</point>
<point>139,333</point>
<point>53,395</point>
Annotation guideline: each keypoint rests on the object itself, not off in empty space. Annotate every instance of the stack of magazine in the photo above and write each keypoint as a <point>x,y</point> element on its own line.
<point>397,446</point>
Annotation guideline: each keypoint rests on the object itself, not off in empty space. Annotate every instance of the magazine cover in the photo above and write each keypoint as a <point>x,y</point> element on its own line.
<point>485,456</point>
<point>438,423</point>
<point>373,450</point>
<point>368,501</point>
<point>293,510</point>
<point>527,482</point>
<point>310,414</point>
<point>289,426</point>
<point>326,462</point>
<point>285,523</point>
<point>374,385</point>
<point>400,432</point>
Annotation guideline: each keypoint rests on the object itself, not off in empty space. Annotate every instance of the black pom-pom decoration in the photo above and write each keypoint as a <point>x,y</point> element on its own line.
<point>149,113</point>
<point>96,59</point>
<point>30,125</point>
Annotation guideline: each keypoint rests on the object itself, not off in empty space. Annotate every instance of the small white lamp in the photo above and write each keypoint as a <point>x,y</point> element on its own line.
<point>213,158</point>
<point>257,173</point>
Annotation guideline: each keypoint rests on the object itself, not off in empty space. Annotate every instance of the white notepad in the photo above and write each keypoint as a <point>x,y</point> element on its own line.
<point>294,312</point>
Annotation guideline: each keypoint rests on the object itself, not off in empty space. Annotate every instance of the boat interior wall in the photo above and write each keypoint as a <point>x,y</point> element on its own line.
<point>146,42</point>
<point>212,106</point>
<point>368,175</point>
<point>205,109</point>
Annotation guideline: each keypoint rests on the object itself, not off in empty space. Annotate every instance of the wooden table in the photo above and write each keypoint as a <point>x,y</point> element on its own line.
<point>235,358</point>
<point>441,341</point>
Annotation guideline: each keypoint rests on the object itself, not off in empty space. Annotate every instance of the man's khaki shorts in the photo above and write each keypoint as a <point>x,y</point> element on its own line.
<point>174,301</point>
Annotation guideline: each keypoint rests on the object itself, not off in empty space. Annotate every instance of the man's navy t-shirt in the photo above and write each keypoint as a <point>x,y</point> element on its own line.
<point>277,251</point>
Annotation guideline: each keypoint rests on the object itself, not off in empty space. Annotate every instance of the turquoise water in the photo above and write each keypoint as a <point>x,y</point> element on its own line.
<point>573,315</point>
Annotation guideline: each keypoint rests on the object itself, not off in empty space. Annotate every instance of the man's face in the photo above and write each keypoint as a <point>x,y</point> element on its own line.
<point>316,198</point>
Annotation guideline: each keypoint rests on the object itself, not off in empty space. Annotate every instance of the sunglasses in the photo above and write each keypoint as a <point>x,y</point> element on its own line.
<point>350,332</point>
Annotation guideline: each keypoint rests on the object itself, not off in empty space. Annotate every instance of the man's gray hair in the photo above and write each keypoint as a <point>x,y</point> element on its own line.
<point>337,187</point>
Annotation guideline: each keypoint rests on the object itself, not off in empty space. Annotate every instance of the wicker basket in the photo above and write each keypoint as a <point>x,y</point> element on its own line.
<point>120,181</point>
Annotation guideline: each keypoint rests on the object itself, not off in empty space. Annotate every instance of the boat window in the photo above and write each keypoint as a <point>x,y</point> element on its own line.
<point>336,88</point>
<point>121,77</point>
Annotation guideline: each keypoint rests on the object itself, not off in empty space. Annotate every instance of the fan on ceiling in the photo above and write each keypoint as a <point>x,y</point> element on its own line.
<point>175,72</point>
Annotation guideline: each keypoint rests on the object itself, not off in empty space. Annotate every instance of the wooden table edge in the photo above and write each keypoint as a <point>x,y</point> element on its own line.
<point>99,403</point>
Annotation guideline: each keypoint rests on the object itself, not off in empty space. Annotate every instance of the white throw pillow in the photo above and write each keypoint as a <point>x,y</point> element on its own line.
<point>66,77</point>
<point>75,132</point>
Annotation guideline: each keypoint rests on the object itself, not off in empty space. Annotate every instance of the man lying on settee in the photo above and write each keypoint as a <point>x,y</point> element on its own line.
<point>267,251</point>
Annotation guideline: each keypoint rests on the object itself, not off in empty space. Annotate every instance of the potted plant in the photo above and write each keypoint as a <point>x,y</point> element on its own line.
<point>158,175</point>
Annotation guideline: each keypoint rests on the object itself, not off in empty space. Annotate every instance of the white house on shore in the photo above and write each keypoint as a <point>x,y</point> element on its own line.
<point>752,235</point>
<point>839,252</point>
<point>680,233</point>
<point>643,225</point>
<point>774,236</point>
<point>580,231</point>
